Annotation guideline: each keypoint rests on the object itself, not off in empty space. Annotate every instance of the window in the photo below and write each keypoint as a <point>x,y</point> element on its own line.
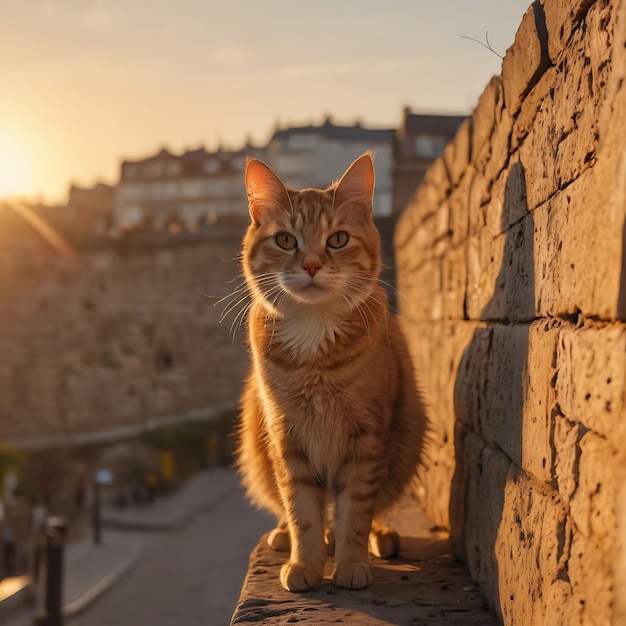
<point>173,168</point>
<point>429,146</point>
<point>132,191</point>
<point>211,166</point>
<point>192,188</point>
<point>131,215</point>
<point>302,142</point>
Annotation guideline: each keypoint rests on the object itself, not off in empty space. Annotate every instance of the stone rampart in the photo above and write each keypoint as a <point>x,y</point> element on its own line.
<point>121,337</point>
<point>512,279</point>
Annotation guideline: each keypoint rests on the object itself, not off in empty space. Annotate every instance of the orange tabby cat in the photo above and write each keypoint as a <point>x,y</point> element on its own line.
<point>331,418</point>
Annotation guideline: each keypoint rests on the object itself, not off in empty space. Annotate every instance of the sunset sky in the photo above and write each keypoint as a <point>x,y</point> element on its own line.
<point>86,83</point>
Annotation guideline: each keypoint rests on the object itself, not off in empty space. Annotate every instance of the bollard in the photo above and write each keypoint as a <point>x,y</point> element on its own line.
<point>50,576</point>
<point>96,514</point>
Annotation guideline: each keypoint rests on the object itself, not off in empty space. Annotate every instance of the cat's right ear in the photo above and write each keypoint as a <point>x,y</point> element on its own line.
<point>266,192</point>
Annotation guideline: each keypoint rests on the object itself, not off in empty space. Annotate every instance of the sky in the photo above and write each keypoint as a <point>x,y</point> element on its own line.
<point>85,84</point>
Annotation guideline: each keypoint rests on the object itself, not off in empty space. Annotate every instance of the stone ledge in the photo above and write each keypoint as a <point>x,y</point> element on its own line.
<point>424,585</point>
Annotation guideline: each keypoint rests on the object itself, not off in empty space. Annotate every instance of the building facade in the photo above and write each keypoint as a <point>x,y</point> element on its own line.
<point>315,156</point>
<point>167,190</point>
<point>418,141</point>
<point>195,188</point>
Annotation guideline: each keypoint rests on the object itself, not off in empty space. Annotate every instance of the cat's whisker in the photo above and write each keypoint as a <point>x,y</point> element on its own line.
<point>233,305</point>
<point>239,319</point>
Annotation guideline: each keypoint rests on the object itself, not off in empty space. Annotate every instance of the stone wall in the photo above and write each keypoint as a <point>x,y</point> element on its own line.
<point>510,260</point>
<point>120,337</point>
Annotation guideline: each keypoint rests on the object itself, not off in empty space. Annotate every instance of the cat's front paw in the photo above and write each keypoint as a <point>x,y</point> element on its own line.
<point>353,575</point>
<point>279,540</point>
<point>300,576</point>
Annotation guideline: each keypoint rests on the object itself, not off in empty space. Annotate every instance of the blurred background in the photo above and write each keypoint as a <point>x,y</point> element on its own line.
<point>124,128</point>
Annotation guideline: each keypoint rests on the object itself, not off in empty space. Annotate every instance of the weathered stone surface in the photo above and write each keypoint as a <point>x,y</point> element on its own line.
<point>437,176</point>
<point>484,120</point>
<point>423,585</point>
<point>487,469</point>
<point>529,551</point>
<point>594,531</point>
<point>424,202</point>
<point>456,154</point>
<point>127,334</point>
<point>453,283</point>
<point>527,59</point>
<point>530,106</point>
<point>565,131</point>
<point>459,209</point>
<point>437,368</point>
<point>591,364</point>
<point>479,196</point>
<point>578,245</point>
<point>500,148</point>
<point>562,19</point>
<point>537,221</point>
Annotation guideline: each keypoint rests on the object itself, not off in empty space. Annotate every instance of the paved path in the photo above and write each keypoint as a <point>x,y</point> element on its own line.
<point>189,573</point>
<point>187,577</point>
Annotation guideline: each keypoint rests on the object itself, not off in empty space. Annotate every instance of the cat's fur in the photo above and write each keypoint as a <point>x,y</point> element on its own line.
<point>330,413</point>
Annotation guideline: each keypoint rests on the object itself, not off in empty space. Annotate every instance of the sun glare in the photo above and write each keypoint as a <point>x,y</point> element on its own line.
<point>14,171</point>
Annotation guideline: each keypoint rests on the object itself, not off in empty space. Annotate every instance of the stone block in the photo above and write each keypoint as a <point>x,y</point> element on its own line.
<point>529,551</point>
<point>457,152</point>
<point>594,530</point>
<point>487,469</point>
<point>503,391</point>
<point>458,202</point>
<point>424,202</point>
<point>530,107</point>
<point>420,296</point>
<point>591,365</point>
<point>437,175</point>
<point>437,350</point>
<point>577,254</point>
<point>562,19</point>
<point>500,147</point>
<point>537,446</point>
<point>527,59</point>
<point>566,128</point>
<point>479,196</point>
<point>500,274</point>
<point>565,437</point>
<point>480,283</point>
<point>453,283</point>
<point>484,119</point>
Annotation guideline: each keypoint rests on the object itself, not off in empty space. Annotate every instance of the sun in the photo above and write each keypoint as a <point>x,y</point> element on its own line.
<point>14,170</point>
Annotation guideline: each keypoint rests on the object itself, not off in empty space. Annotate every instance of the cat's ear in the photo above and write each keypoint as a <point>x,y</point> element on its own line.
<point>265,190</point>
<point>355,189</point>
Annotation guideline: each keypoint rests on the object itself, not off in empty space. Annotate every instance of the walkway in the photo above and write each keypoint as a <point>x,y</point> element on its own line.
<point>425,585</point>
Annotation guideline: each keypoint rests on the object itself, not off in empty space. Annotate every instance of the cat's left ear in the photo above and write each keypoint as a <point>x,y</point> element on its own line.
<point>355,189</point>
<point>265,190</point>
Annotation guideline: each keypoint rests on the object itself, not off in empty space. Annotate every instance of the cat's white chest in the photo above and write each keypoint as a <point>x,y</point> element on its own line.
<point>306,329</point>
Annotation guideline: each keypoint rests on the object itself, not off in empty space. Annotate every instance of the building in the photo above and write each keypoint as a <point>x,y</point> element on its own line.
<point>315,156</point>
<point>187,190</point>
<point>417,143</point>
<point>167,190</point>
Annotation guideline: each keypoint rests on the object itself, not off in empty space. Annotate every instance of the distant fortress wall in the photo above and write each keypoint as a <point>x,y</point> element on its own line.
<point>511,271</point>
<point>125,337</point>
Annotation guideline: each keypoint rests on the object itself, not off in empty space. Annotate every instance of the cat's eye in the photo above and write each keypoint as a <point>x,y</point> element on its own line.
<point>338,240</point>
<point>286,241</point>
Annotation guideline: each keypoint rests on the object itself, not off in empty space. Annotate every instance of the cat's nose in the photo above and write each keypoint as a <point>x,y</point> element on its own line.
<point>312,268</point>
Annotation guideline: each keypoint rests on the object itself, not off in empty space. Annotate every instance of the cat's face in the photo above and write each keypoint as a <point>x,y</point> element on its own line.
<point>311,247</point>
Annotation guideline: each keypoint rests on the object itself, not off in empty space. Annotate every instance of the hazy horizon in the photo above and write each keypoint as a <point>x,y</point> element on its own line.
<point>87,83</point>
